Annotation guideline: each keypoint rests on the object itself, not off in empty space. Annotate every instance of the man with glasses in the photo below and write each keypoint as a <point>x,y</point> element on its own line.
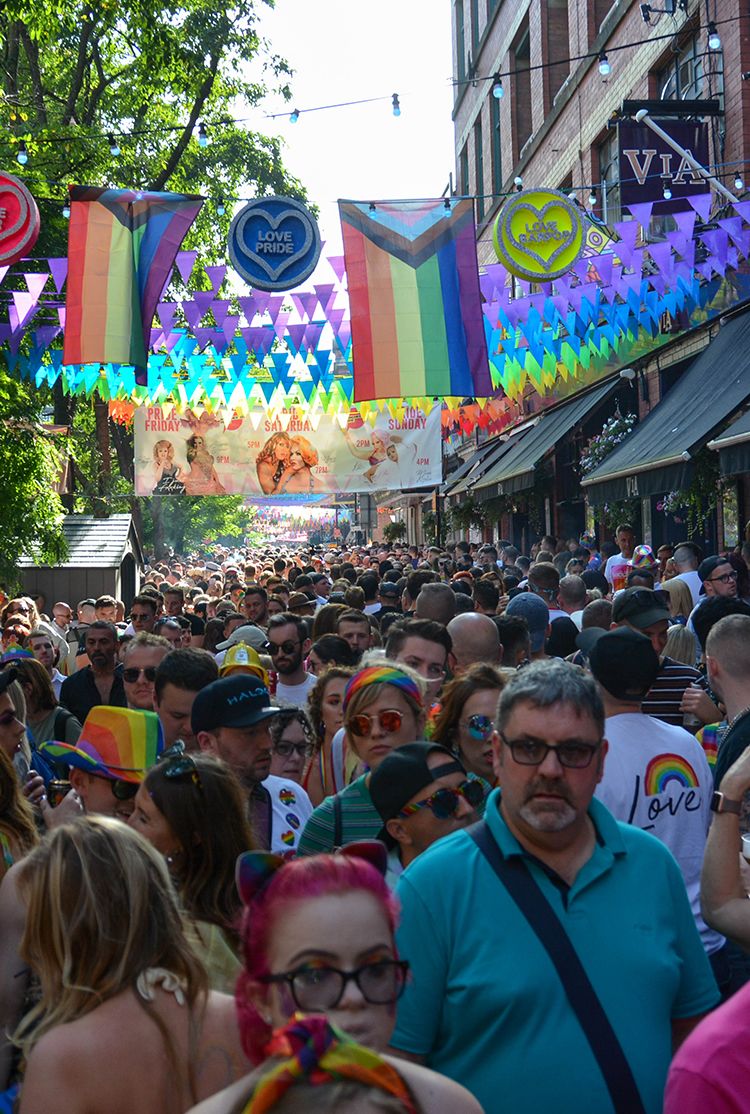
<point>142,656</point>
<point>718,580</point>
<point>289,646</point>
<point>143,613</point>
<point>486,999</point>
<point>422,793</point>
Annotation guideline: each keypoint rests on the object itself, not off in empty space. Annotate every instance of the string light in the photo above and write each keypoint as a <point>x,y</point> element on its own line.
<point>202,136</point>
<point>497,87</point>
<point>23,154</point>
<point>294,116</point>
<point>714,42</point>
<point>396,105</point>
<point>592,198</point>
<point>518,182</point>
<point>220,207</point>
<point>667,193</point>
<point>66,209</point>
<point>604,67</point>
<point>739,183</point>
<point>114,147</point>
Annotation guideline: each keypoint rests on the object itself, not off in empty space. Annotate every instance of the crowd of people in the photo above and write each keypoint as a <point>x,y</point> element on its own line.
<point>381,828</point>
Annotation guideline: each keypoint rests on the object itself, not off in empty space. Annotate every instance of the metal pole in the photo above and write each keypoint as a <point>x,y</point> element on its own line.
<point>643,117</point>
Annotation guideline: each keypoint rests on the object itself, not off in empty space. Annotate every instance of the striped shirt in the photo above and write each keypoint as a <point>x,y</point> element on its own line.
<point>664,697</point>
<point>359,820</point>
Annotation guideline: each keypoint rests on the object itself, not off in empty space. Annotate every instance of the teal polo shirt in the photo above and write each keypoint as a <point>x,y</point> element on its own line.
<point>484,1003</point>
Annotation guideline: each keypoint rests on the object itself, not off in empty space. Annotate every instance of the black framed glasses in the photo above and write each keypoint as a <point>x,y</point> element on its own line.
<point>285,647</point>
<point>444,802</point>
<point>725,578</point>
<point>178,764</point>
<point>130,676</point>
<point>285,750</point>
<point>318,988</point>
<point>532,752</point>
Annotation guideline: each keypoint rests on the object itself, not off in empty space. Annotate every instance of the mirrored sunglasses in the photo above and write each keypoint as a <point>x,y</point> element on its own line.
<point>390,720</point>
<point>444,802</point>
<point>479,727</point>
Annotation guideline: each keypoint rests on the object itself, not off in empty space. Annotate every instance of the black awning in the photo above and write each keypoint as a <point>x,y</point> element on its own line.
<point>514,471</point>
<point>457,480</point>
<point>733,447</point>
<point>656,456</point>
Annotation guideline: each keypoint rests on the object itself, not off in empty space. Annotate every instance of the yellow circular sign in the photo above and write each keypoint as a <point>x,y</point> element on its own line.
<point>539,235</point>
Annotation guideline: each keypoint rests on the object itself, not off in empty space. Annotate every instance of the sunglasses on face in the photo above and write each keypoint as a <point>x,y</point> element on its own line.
<point>318,988</point>
<point>287,647</point>
<point>285,750</point>
<point>124,790</point>
<point>444,802</point>
<point>479,727</point>
<point>132,675</point>
<point>178,764</point>
<point>390,720</point>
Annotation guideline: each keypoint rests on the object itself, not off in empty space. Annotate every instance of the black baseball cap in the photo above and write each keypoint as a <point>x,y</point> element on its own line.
<point>640,607</point>
<point>709,566</point>
<point>389,588</point>
<point>403,773</point>
<point>238,701</point>
<point>624,663</point>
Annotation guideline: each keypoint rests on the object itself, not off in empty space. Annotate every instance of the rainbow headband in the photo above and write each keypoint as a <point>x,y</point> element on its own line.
<point>382,675</point>
<point>316,1053</point>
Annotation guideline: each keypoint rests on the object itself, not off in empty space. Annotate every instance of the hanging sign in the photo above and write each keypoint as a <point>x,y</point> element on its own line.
<point>19,220</point>
<point>286,455</point>
<point>274,243</point>
<point>538,235</point>
<point>648,165</point>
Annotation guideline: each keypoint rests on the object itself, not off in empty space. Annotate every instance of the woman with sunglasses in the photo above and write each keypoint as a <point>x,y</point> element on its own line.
<point>383,708</point>
<point>467,719</point>
<point>292,743</point>
<point>328,769</point>
<point>125,1020</point>
<point>318,939</point>
<point>192,810</point>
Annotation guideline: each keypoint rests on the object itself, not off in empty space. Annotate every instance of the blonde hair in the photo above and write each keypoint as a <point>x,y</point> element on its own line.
<point>681,644</point>
<point>100,910</point>
<point>680,597</point>
<point>160,445</point>
<point>16,814</point>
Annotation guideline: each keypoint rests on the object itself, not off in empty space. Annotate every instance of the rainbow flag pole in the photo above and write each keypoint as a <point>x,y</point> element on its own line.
<point>121,248</point>
<point>416,306</point>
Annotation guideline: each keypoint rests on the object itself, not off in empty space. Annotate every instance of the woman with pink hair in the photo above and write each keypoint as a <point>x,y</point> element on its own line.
<point>318,939</point>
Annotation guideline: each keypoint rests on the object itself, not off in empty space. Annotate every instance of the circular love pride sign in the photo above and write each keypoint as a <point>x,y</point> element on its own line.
<point>274,243</point>
<point>539,235</point>
<point>19,220</point>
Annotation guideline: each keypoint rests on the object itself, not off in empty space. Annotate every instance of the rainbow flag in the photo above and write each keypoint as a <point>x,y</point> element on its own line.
<point>121,247</point>
<point>416,307</point>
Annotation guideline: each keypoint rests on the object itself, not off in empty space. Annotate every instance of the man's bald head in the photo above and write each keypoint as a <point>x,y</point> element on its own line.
<point>475,639</point>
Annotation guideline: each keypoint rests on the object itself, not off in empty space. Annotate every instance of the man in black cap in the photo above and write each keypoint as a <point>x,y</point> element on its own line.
<point>656,776</point>
<point>718,579</point>
<point>230,720</point>
<point>647,612</point>
<point>422,793</point>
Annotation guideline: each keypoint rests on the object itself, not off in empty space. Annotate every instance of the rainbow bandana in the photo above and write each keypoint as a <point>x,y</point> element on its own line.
<point>314,1053</point>
<point>117,743</point>
<point>382,675</point>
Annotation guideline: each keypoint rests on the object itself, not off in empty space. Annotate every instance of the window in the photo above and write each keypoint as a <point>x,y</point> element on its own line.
<point>609,177</point>
<point>463,172</point>
<point>495,141</point>
<point>479,167</point>
<point>599,10</point>
<point>557,46</point>
<point>474,27</point>
<point>460,40</point>
<point>682,79</point>
<point>520,62</point>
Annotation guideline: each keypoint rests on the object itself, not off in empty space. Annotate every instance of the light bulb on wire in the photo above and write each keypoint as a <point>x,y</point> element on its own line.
<point>605,68</point>
<point>66,209</point>
<point>202,136</point>
<point>714,41</point>
<point>294,116</point>
<point>114,146</point>
<point>592,199</point>
<point>220,208</point>
<point>22,155</point>
<point>396,105</point>
<point>667,193</point>
<point>497,87</point>
<point>738,182</point>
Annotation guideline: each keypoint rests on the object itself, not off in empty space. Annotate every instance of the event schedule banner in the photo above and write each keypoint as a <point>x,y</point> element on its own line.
<point>290,454</point>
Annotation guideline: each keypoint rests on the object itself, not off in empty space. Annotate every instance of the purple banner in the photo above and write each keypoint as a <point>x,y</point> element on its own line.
<point>648,164</point>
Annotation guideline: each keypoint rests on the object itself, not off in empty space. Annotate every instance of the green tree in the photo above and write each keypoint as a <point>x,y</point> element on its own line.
<point>30,465</point>
<point>186,523</point>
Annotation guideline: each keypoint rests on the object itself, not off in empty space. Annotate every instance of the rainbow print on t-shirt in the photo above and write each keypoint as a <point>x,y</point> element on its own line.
<point>666,768</point>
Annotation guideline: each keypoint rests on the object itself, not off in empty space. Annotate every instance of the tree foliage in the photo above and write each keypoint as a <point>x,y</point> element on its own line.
<point>30,464</point>
<point>184,523</point>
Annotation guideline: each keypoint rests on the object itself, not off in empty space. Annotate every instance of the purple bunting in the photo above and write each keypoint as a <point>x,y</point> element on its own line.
<point>192,313</point>
<point>642,213</point>
<point>35,282</point>
<point>325,293</point>
<point>26,305</point>
<point>701,202</point>
<point>58,268</point>
<point>685,223</point>
<point>220,308</point>
<point>743,208</point>
<point>229,327</point>
<point>167,312</point>
<point>203,300</point>
<point>338,265</point>
<point>216,275</point>
<point>274,304</point>
<point>185,261</point>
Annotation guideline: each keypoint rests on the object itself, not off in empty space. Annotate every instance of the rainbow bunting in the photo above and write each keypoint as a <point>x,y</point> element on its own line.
<point>416,308</point>
<point>121,247</point>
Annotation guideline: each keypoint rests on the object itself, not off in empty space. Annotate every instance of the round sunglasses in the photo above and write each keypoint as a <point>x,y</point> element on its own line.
<point>444,802</point>
<point>130,676</point>
<point>479,727</point>
<point>390,720</point>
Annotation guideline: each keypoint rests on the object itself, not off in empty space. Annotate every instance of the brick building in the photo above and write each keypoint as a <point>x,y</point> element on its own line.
<point>553,127</point>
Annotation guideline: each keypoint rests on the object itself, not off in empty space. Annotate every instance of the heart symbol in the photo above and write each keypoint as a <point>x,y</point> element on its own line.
<point>538,216</point>
<point>274,223</point>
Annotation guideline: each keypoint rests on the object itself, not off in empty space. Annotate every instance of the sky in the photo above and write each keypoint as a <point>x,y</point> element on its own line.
<point>344,50</point>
